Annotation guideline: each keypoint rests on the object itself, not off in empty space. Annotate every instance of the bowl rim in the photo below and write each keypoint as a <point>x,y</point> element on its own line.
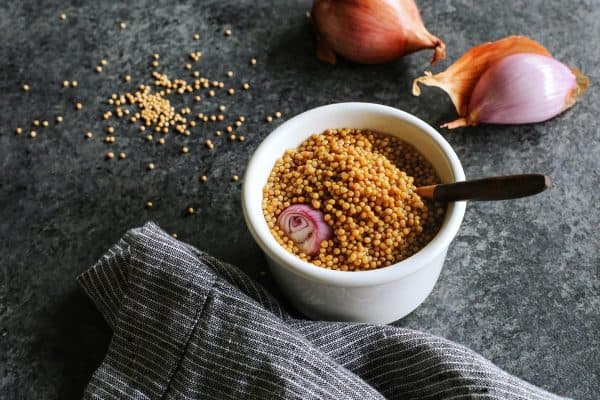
<point>269,245</point>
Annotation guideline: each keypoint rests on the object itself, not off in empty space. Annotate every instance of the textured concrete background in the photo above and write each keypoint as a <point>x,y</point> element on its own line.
<point>521,283</point>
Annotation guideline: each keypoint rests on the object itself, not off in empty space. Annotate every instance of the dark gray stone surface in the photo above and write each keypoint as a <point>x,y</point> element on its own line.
<point>521,283</point>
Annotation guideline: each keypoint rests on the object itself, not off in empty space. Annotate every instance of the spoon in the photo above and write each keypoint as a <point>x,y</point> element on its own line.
<point>496,188</point>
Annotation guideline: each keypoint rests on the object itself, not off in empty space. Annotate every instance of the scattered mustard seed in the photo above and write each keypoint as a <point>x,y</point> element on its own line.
<point>218,133</point>
<point>155,63</point>
<point>25,87</point>
<point>229,74</point>
<point>18,131</point>
<point>74,83</point>
<point>150,166</point>
<point>203,178</point>
<point>66,84</point>
<point>253,61</point>
<point>110,155</point>
<point>45,123</point>
<point>156,56</point>
<point>88,135</point>
<point>220,117</point>
<point>222,108</point>
<point>123,25</point>
<point>188,66</point>
<point>32,134</point>
<point>161,141</point>
<point>238,123</point>
<point>59,119</point>
<point>241,138</point>
<point>231,91</point>
<point>103,61</point>
<point>149,204</point>
<point>227,32</point>
<point>190,210</point>
<point>269,118</point>
<point>196,36</point>
<point>241,118</point>
<point>35,122</point>
<point>122,155</point>
<point>235,178</point>
<point>127,78</point>
<point>142,128</point>
<point>211,93</point>
<point>110,130</point>
<point>78,106</point>
<point>62,16</point>
<point>98,69</point>
<point>174,235</point>
<point>185,149</point>
<point>229,129</point>
<point>232,137</point>
<point>149,138</point>
<point>277,114</point>
<point>246,86</point>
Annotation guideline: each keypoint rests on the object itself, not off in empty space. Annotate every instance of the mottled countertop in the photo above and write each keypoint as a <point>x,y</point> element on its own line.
<point>521,282</point>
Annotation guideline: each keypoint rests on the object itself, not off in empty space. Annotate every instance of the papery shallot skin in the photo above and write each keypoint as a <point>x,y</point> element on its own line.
<point>371,31</point>
<point>521,89</point>
<point>305,226</point>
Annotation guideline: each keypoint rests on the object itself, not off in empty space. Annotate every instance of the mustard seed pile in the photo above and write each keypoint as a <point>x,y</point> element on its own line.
<point>360,184</point>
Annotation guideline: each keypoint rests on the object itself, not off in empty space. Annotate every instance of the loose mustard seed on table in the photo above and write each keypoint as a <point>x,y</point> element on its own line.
<point>345,200</point>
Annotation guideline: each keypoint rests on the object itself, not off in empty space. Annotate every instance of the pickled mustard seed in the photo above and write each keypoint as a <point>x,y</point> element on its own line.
<point>110,155</point>
<point>32,134</point>
<point>227,32</point>
<point>149,204</point>
<point>203,178</point>
<point>253,61</point>
<point>88,135</point>
<point>150,166</point>
<point>269,119</point>
<point>18,131</point>
<point>235,178</point>
<point>59,119</point>
<point>25,87</point>
<point>122,155</point>
<point>185,149</point>
<point>277,114</point>
<point>62,17</point>
<point>246,86</point>
<point>190,210</point>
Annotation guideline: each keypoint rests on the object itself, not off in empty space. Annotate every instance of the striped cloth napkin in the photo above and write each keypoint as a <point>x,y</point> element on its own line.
<point>188,326</point>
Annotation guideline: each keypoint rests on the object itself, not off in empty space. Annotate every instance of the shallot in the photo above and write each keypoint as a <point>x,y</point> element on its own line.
<point>371,31</point>
<point>305,226</point>
<point>512,81</point>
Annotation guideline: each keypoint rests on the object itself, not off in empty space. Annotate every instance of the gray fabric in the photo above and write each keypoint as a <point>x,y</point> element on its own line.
<point>187,326</point>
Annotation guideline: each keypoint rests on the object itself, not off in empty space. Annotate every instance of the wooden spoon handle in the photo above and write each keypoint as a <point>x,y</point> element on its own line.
<point>497,188</point>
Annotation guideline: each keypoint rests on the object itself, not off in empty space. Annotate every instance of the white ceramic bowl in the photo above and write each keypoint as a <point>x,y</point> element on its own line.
<point>379,296</point>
